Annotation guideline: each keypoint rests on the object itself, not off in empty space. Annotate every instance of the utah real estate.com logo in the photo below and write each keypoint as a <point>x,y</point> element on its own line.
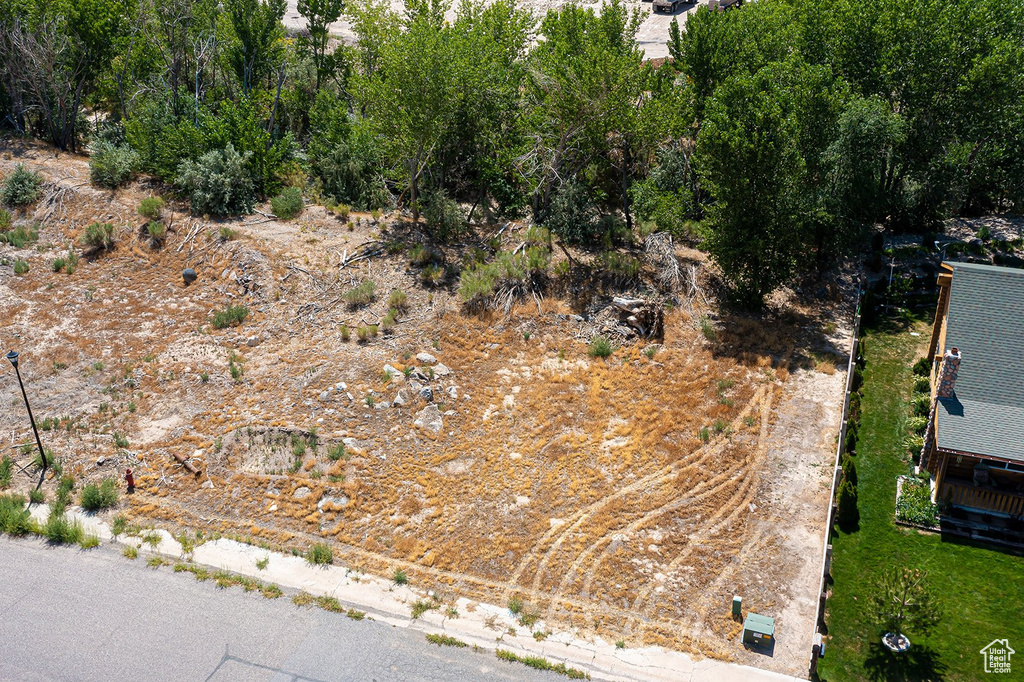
<point>997,656</point>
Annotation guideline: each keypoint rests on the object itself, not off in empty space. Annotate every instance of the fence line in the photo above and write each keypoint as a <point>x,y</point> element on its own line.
<point>837,472</point>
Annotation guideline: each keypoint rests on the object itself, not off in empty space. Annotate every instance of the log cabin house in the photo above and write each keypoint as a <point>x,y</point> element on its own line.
<point>974,442</point>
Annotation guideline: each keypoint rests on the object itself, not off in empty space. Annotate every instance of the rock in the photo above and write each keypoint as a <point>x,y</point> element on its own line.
<point>426,393</point>
<point>441,370</point>
<point>382,405</point>
<point>208,484</point>
<point>189,275</point>
<point>452,392</point>
<point>415,386</point>
<point>301,493</point>
<point>420,376</point>
<point>402,397</point>
<point>391,371</point>
<point>252,341</point>
<point>426,358</point>
<point>349,396</point>
<point>429,418</point>
<point>522,500</point>
<point>272,491</point>
<point>333,503</point>
<point>341,386</point>
<point>325,396</point>
<point>100,461</point>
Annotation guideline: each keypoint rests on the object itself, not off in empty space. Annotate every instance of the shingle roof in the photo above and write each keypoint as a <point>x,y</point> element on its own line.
<point>985,416</point>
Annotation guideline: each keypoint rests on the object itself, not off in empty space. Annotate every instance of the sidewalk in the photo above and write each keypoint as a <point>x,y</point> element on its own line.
<point>485,626</point>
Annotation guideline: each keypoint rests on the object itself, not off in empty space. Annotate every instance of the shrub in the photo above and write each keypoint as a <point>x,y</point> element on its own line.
<point>917,424</point>
<point>231,316</point>
<point>288,203</point>
<point>346,333</point>
<point>922,404</point>
<point>847,514</point>
<point>849,469</point>
<point>21,236</point>
<point>58,264</point>
<point>320,554</point>
<point>707,329</point>
<point>6,469</point>
<point>361,295</point>
<point>443,215</point>
<point>102,496</point>
<point>157,230</point>
<point>336,452</point>
<point>218,183</point>
<point>36,496</point>
<point>600,347</point>
<point>432,275</point>
<point>14,516</point>
<point>21,187</point>
<point>6,219</point>
<point>922,385</point>
<point>226,234</point>
<point>400,577</point>
<point>398,300</point>
<point>515,606</point>
<point>98,236</point>
<point>915,503</point>
<point>923,367</point>
<point>112,166</point>
<point>620,266</point>
<point>573,214</point>
<point>20,267</point>
<point>850,446</point>
<point>151,208</point>
<point>387,323</point>
<point>90,541</point>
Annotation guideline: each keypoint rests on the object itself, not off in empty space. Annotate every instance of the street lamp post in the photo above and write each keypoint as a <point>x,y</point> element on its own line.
<point>13,357</point>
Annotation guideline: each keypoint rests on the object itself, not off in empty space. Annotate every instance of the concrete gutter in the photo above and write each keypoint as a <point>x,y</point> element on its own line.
<point>485,626</point>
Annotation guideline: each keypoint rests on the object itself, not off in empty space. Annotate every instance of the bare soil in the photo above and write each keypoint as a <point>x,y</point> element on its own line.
<point>585,487</point>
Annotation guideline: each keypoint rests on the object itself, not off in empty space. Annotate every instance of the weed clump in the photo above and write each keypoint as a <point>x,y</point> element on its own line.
<point>600,347</point>
<point>232,316</point>
<point>361,295</point>
<point>21,236</point>
<point>95,497</point>
<point>98,236</point>
<point>320,554</point>
<point>14,516</point>
<point>151,208</point>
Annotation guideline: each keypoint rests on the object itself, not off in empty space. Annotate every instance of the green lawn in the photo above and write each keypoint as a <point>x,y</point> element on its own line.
<point>979,588</point>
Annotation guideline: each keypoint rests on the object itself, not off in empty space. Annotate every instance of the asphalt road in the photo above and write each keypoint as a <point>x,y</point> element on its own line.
<point>69,614</point>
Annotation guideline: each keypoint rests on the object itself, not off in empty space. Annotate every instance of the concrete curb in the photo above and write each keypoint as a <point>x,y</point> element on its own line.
<point>486,626</point>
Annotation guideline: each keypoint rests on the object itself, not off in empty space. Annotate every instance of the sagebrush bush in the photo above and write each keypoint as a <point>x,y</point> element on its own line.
<point>288,203</point>
<point>362,294</point>
<point>98,236</point>
<point>151,208</point>
<point>21,187</point>
<point>112,166</point>
<point>231,316</point>
<point>95,497</point>
<point>398,300</point>
<point>218,183</point>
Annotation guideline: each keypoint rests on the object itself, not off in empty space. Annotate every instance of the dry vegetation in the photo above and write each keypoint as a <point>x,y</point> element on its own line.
<point>629,495</point>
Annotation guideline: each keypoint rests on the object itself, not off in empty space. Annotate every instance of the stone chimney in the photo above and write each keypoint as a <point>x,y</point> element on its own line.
<point>947,373</point>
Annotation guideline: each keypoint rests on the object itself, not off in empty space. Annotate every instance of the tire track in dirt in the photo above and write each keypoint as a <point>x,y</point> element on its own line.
<point>720,482</point>
<point>486,588</point>
<point>641,604</point>
<point>558,535</point>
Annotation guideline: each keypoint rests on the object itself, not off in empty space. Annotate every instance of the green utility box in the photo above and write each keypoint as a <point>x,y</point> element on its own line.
<point>758,629</point>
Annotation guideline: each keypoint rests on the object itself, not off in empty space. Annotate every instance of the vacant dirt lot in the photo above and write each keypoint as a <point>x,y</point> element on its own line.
<point>629,497</point>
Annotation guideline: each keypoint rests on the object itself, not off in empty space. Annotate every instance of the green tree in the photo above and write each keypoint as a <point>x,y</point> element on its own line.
<point>319,14</point>
<point>902,599</point>
<point>847,514</point>
<point>256,48</point>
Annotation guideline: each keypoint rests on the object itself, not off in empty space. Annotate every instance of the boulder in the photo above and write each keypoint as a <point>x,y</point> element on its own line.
<point>427,393</point>
<point>402,397</point>
<point>452,392</point>
<point>426,358</point>
<point>441,370</point>
<point>391,371</point>
<point>429,418</point>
